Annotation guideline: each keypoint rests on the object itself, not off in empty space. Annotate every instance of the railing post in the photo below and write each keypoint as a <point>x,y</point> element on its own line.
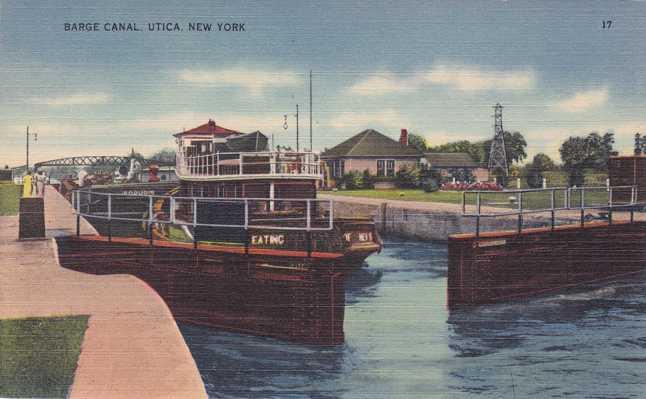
<point>553,206</point>
<point>172,210</point>
<point>240,163</point>
<point>109,217</point>
<point>582,204</point>
<point>520,212</point>
<point>633,200</point>
<point>78,213</point>
<point>478,214</point>
<point>610,205</point>
<point>464,202</point>
<point>308,220</point>
<point>247,239</point>
<point>150,220</point>
<point>194,223</point>
<point>331,221</point>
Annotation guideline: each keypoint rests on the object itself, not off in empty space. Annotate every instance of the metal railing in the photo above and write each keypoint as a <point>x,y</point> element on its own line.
<point>552,200</point>
<point>227,164</point>
<point>306,215</point>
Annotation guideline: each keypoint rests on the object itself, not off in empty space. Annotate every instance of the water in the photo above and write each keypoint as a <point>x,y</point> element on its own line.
<point>402,342</point>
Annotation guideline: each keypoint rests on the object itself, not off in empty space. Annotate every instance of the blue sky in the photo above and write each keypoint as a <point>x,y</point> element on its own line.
<point>436,68</point>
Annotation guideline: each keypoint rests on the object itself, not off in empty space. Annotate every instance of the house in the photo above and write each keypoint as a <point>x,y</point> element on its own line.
<point>455,164</point>
<point>373,151</point>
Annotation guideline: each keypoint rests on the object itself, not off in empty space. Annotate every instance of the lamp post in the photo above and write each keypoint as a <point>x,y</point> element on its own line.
<point>27,140</point>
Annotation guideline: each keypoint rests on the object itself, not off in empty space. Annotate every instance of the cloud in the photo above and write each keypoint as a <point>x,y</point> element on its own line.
<point>455,77</point>
<point>388,118</point>
<point>584,100</point>
<point>381,83</point>
<point>469,78</point>
<point>73,99</point>
<point>255,82</point>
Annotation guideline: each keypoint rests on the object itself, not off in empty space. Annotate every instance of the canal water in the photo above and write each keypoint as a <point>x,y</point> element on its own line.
<point>402,342</point>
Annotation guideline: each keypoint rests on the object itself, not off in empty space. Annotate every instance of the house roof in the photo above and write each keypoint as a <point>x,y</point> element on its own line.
<point>210,128</point>
<point>250,142</point>
<point>450,160</point>
<point>370,143</point>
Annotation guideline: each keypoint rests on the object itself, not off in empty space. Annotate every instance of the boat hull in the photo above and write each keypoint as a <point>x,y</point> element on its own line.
<point>289,297</point>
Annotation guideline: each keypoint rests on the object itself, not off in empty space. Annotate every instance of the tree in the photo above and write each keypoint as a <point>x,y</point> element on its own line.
<point>166,155</point>
<point>515,145</point>
<point>591,151</point>
<point>542,162</point>
<point>475,150</point>
<point>417,141</point>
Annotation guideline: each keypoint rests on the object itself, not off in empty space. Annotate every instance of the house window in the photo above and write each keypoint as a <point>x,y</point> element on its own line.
<point>337,168</point>
<point>386,167</point>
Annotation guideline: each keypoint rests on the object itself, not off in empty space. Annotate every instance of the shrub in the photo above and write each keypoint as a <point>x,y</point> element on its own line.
<point>367,180</point>
<point>408,178</point>
<point>430,185</point>
<point>352,180</point>
<point>534,178</point>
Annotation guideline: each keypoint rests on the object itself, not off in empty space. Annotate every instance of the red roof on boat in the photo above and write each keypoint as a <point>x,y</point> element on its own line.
<point>209,128</point>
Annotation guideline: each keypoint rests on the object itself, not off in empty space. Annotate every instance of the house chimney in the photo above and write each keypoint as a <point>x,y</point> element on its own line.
<point>403,137</point>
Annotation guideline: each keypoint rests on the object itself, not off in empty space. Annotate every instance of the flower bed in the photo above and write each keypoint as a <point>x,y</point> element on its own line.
<point>480,186</point>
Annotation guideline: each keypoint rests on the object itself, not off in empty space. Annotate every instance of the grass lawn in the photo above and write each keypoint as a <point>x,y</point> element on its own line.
<point>452,197</point>
<point>38,356</point>
<point>9,198</point>
<point>531,200</point>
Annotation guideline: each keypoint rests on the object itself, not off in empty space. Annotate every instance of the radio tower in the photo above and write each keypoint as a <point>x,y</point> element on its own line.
<point>497,154</point>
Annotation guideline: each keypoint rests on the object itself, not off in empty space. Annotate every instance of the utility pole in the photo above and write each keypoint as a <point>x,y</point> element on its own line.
<point>311,147</point>
<point>297,147</point>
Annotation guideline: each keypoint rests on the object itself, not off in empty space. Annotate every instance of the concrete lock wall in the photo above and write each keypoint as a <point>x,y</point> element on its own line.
<point>429,223</point>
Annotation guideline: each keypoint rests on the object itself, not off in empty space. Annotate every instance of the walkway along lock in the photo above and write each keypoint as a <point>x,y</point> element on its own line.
<point>486,267</point>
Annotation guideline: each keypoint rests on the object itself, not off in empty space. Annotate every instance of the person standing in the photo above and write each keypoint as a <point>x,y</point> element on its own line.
<point>40,184</point>
<point>27,185</point>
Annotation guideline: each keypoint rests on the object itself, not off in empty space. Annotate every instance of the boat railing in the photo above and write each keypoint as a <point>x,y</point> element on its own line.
<point>490,204</point>
<point>270,163</point>
<point>239,213</point>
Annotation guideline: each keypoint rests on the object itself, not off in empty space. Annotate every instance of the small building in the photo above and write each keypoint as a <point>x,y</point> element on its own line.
<point>455,164</point>
<point>164,174</point>
<point>372,151</point>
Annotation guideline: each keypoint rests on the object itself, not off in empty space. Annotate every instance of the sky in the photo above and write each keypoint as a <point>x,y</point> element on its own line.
<point>436,68</point>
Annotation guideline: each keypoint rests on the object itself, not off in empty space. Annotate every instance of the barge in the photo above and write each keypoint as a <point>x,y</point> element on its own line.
<point>241,243</point>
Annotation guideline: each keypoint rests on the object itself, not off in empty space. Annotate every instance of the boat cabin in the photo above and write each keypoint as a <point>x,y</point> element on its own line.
<point>213,161</point>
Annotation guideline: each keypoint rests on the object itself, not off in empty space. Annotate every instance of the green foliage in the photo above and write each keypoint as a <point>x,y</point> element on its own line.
<point>542,162</point>
<point>475,150</point>
<point>591,151</point>
<point>9,199</point>
<point>352,180</point>
<point>166,155</point>
<point>408,178</point>
<point>367,180</point>
<point>39,355</point>
<point>533,176</point>
<point>417,141</point>
<point>430,185</point>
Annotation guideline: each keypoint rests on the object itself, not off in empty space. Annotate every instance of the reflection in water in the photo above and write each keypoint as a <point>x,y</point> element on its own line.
<point>401,342</point>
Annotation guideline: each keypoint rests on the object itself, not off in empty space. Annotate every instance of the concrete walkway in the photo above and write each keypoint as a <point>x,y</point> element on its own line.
<point>132,347</point>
